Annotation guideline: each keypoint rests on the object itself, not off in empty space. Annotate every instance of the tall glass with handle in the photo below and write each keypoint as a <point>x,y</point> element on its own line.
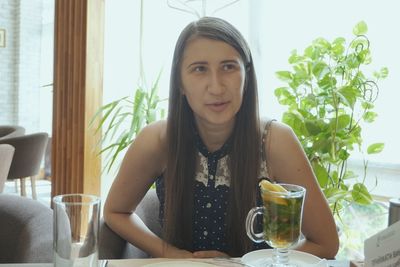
<point>282,215</point>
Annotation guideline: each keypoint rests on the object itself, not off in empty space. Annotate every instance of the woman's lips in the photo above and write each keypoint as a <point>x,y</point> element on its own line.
<point>217,106</point>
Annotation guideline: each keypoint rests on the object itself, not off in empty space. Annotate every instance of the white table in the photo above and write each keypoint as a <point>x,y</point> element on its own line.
<point>142,262</point>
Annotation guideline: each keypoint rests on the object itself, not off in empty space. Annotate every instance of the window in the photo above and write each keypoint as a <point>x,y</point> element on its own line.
<point>273,29</point>
<point>286,25</point>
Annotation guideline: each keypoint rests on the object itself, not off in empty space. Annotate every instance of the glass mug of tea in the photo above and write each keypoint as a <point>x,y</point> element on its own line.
<point>282,215</point>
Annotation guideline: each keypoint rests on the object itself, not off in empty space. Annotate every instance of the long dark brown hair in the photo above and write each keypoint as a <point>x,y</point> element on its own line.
<point>244,155</point>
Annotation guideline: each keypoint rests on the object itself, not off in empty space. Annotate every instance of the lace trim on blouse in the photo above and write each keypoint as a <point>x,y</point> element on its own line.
<point>222,175</point>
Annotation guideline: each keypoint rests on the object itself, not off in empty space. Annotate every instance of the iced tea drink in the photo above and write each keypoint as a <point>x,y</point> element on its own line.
<point>282,216</point>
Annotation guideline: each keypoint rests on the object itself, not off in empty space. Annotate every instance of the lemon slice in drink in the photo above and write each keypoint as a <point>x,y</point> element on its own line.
<point>268,186</point>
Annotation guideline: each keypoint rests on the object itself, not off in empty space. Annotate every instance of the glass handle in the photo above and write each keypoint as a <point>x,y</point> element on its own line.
<point>251,216</point>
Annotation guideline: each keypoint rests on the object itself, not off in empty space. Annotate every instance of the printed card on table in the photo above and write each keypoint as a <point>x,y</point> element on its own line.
<point>383,249</point>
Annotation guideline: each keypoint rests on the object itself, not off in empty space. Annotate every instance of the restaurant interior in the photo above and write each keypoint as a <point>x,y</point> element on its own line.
<point>64,63</point>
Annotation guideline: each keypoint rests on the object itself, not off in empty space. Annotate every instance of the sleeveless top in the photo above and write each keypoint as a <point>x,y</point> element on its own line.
<point>211,189</point>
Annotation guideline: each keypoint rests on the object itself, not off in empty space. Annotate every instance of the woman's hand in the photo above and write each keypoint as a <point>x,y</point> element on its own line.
<point>174,252</point>
<point>209,254</point>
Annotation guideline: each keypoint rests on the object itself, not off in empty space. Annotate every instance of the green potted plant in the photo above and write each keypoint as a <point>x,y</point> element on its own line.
<point>138,110</point>
<point>328,96</point>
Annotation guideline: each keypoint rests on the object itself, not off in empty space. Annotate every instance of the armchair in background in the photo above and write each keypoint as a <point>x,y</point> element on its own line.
<point>29,151</point>
<point>7,131</point>
<point>25,230</point>
<point>112,246</point>
<point>6,155</point>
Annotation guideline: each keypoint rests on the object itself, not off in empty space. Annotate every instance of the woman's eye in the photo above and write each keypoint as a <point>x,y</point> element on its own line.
<point>199,69</point>
<point>228,66</point>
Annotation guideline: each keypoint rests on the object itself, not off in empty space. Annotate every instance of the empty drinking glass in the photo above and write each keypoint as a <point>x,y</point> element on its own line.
<point>75,229</point>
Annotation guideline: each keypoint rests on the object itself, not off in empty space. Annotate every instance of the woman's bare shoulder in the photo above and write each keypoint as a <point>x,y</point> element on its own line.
<point>148,151</point>
<point>154,135</point>
<point>282,140</point>
<point>280,130</point>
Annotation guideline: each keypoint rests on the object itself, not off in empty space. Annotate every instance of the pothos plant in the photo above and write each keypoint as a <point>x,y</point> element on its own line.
<point>137,111</point>
<point>328,96</point>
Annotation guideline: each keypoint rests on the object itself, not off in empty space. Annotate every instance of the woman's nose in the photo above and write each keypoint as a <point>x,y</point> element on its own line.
<point>215,83</point>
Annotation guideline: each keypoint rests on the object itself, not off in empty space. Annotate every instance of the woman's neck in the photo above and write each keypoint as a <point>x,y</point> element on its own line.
<point>214,136</point>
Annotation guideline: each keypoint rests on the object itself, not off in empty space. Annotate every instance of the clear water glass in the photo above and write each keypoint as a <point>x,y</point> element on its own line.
<point>75,230</point>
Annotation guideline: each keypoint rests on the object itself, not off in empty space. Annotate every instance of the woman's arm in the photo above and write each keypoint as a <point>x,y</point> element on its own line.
<point>288,163</point>
<point>143,162</point>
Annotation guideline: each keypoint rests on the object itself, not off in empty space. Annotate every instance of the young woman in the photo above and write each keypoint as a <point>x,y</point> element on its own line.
<point>208,157</point>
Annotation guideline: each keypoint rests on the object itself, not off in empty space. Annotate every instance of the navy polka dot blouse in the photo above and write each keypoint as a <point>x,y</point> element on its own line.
<point>211,189</point>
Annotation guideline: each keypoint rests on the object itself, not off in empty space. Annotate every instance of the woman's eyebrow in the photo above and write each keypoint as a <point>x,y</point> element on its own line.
<point>236,61</point>
<point>197,63</point>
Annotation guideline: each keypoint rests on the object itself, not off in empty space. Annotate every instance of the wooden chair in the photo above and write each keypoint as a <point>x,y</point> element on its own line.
<point>29,151</point>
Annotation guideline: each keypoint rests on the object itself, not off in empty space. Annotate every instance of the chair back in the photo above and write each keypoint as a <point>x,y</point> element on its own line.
<point>6,155</point>
<point>7,131</point>
<point>29,151</point>
<point>25,230</point>
<point>112,246</point>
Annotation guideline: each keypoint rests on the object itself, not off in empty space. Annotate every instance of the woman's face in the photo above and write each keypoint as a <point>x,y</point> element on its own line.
<point>213,76</point>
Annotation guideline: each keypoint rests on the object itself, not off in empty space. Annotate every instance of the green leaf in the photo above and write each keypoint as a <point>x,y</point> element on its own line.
<point>285,76</point>
<point>312,127</point>
<point>384,72</point>
<point>301,73</point>
<point>360,194</point>
<point>295,58</point>
<point>320,173</point>
<point>343,121</point>
<point>310,52</point>
<point>339,41</point>
<point>377,75</point>
<point>352,62</point>
<point>364,57</point>
<point>349,175</point>
<point>296,122</point>
<point>375,148</point>
<point>322,43</point>
<point>335,178</point>
<point>360,29</point>
<point>344,187</point>
<point>327,82</point>
<point>306,104</point>
<point>348,95</point>
<point>284,96</point>
<point>344,154</point>
<point>320,69</point>
<point>335,194</point>
<point>322,145</point>
<point>338,49</point>
<point>370,116</point>
<point>367,105</point>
